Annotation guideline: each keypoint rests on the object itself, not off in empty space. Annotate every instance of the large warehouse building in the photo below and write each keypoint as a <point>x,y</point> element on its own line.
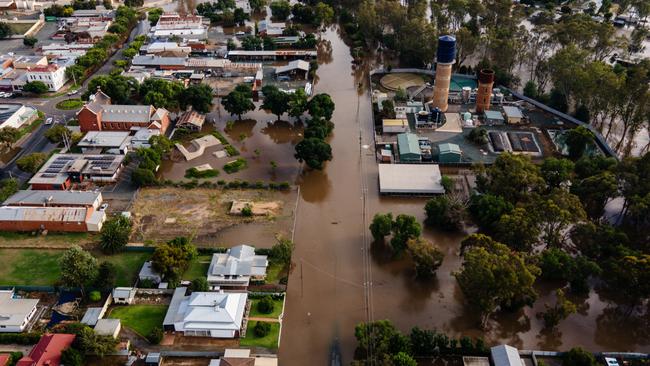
<point>410,179</point>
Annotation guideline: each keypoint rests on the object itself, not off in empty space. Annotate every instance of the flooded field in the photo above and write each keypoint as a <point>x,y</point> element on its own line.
<point>326,289</point>
<point>165,213</point>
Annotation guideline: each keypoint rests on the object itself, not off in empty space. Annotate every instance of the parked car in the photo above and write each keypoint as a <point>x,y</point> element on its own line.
<point>49,121</point>
<point>73,92</point>
<point>9,95</point>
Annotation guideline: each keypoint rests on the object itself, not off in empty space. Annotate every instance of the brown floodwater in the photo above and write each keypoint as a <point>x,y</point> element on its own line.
<point>326,288</point>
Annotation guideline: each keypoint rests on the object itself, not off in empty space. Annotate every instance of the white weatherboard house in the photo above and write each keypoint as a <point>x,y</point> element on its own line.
<point>236,267</point>
<point>15,314</point>
<point>206,314</point>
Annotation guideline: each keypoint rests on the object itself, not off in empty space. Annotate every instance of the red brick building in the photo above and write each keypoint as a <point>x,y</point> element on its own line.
<point>100,115</point>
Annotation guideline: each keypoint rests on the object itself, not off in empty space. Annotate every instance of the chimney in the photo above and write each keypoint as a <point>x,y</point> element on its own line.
<point>445,59</point>
<point>484,95</point>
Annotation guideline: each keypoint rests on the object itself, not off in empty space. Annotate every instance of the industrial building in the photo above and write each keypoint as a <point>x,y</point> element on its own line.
<point>62,170</point>
<point>243,55</point>
<point>513,114</point>
<point>33,198</point>
<point>493,118</point>
<point>449,153</point>
<point>64,219</point>
<point>408,147</point>
<point>395,125</point>
<point>105,142</point>
<point>410,179</point>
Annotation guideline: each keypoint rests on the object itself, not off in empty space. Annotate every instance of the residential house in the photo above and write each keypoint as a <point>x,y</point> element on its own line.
<point>206,314</point>
<point>15,313</point>
<point>242,357</point>
<point>191,120</point>
<point>100,115</point>
<point>123,295</point>
<point>47,351</point>
<point>237,267</point>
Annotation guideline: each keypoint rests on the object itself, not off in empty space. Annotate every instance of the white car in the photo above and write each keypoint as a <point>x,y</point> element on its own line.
<point>9,95</point>
<point>73,92</point>
<point>3,95</point>
<point>49,121</point>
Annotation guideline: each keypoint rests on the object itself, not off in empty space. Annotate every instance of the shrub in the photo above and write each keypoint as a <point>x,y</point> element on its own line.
<point>231,150</point>
<point>262,329</point>
<point>235,166</point>
<point>265,305</point>
<point>20,338</point>
<point>156,336</point>
<point>94,296</point>
<point>72,357</point>
<point>199,284</point>
<point>247,211</point>
<point>195,173</point>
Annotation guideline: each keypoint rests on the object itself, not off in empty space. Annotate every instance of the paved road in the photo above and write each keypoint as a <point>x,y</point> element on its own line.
<point>37,142</point>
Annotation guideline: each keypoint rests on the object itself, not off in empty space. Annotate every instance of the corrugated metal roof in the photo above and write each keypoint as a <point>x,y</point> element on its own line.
<point>408,143</point>
<point>505,355</point>
<point>126,113</point>
<point>40,214</point>
<point>38,198</point>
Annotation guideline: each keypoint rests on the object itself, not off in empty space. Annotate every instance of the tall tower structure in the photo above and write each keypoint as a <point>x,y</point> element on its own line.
<point>484,94</point>
<point>445,59</point>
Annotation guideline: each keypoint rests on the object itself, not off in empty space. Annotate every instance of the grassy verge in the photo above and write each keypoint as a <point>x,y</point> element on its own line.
<point>275,272</point>
<point>69,104</point>
<point>277,309</point>
<point>20,28</point>
<point>141,318</point>
<point>235,166</point>
<point>198,267</point>
<point>127,265</point>
<point>270,341</point>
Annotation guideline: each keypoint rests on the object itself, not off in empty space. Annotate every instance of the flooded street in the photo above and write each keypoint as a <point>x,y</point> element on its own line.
<point>326,293</point>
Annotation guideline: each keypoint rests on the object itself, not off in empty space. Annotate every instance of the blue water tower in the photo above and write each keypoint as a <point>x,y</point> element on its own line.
<point>446,49</point>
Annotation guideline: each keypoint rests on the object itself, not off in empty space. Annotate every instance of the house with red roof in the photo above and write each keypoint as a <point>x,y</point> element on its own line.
<point>48,350</point>
<point>4,359</point>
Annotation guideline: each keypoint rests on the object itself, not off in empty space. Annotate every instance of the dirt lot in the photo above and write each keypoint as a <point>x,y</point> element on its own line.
<point>165,213</point>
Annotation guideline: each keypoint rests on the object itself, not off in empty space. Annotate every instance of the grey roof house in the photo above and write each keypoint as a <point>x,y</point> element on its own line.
<point>236,267</point>
<point>15,313</point>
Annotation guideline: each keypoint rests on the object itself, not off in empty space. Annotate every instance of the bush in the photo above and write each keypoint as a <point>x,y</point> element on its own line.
<point>262,329</point>
<point>478,136</point>
<point>20,338</point>
<point>247,211</point>
<point>94,296</point>
<point>199,174</point>
<point>156,336</point>
<point>199,284</point>
<point>32,162</point>
<point>266,305</point>
<point>72,357</point>
<point>235,166</point>
<point>231,150</point>
<point>36,87</point>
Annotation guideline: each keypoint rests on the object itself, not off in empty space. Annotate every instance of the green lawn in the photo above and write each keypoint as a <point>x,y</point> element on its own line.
<point>275,272</point>
<point>198,268</point>
<point>270,341</point>
<point>29,267</point>
<point>128,265</point>
<point>20,28</point>
<point>140,318</point>
<point>69,104</point>
<point>277,309</point>
<point>40,267</point>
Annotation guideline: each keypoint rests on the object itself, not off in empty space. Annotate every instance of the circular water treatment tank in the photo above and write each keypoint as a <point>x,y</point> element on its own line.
<point>446,49</point>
